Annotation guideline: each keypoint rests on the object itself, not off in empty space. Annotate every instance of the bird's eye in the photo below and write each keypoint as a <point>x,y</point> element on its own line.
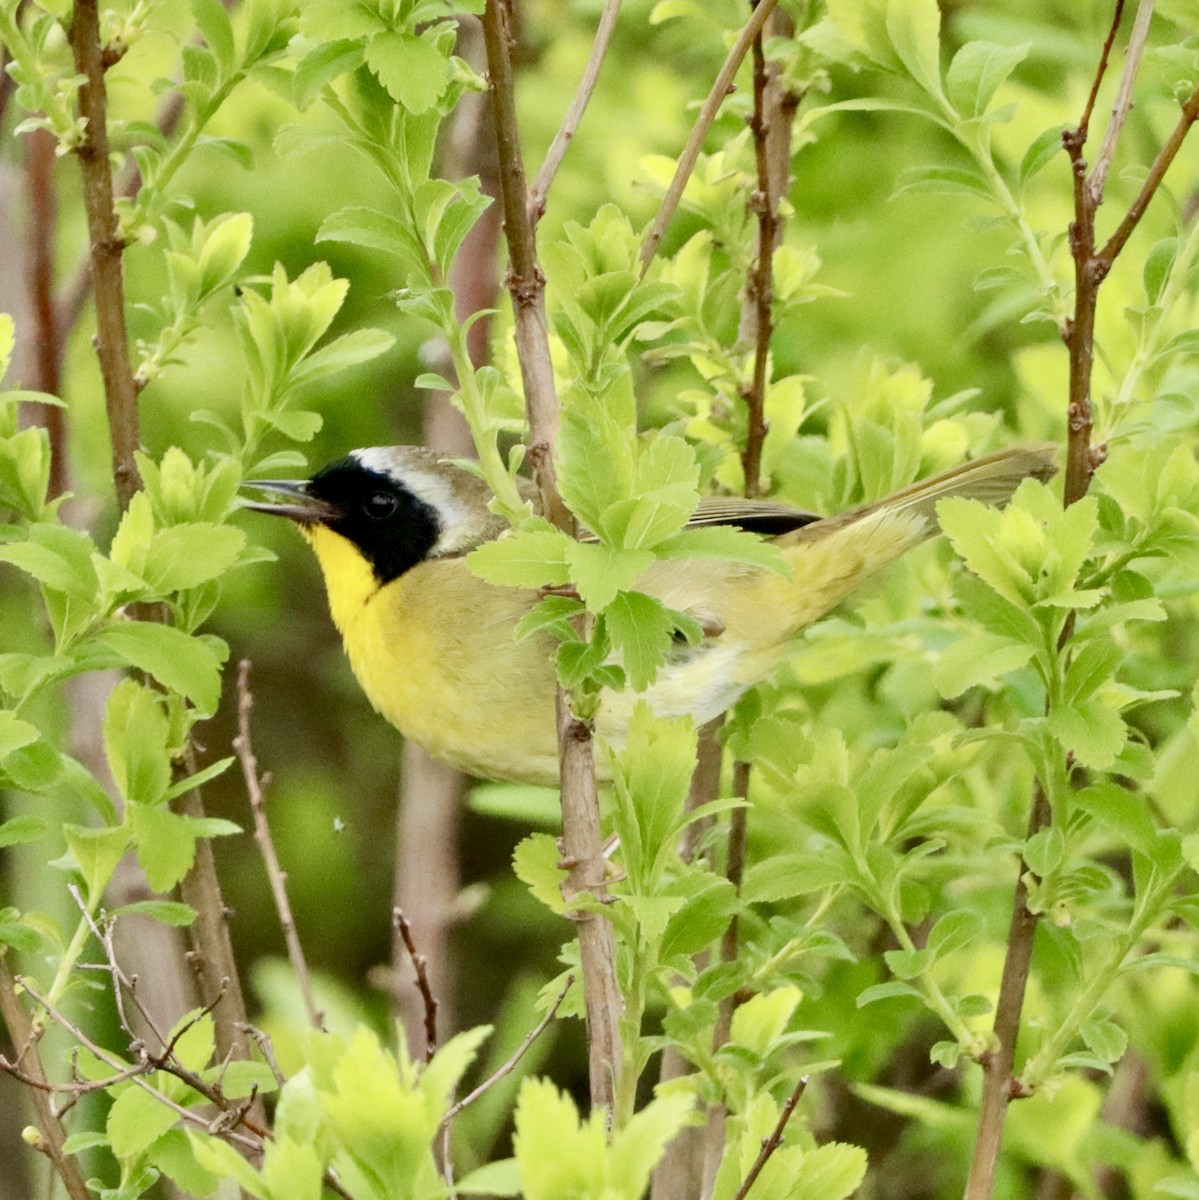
<point>380,506</point>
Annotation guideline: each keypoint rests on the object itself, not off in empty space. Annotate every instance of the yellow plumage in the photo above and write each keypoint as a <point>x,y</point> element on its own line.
<point>432,645</point>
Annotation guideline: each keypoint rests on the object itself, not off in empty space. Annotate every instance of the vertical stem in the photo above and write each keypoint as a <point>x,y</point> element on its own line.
<point>106,246</point>
<point>42,203</point>
<point>582,844</point>
<point>999,1065</point>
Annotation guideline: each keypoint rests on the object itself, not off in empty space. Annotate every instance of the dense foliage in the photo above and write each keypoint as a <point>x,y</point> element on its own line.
<point>991,752</point>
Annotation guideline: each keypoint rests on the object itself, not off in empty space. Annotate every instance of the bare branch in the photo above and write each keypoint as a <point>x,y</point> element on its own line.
<point>1123,105</point>
<point>1105,55</point>
<point>50,1131</point>
<point>255,789</point>
<point>251,1142</point>
<point>707,114</point>
<point>106,248</point>
<point>774,1141</point>
<point>514,1061</point>
<point>570,124</point>
<point>419,965</point>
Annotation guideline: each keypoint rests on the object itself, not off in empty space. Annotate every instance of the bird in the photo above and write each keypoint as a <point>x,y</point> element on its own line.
<point>433,645</point>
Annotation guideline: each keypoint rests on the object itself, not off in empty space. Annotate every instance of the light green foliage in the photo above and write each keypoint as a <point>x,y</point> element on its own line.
<point>557,1155</point>
<point>920,287</point>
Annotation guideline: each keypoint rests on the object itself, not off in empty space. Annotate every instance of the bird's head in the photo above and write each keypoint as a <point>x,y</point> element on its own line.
<point>383,510</point>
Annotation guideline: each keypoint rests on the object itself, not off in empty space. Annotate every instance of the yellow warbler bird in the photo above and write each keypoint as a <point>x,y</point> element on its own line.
<point>432,644</point>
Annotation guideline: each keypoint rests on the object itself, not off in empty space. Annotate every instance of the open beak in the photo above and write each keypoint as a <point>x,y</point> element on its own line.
<point>302,508</point>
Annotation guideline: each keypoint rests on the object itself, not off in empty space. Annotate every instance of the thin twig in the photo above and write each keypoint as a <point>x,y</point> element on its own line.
<point>1157,172</point>
<point>50,1132</point>
<point>514,1061</point>
<point>420,966</point>
<point>1123,105</point>
<point>1105,54</point>
<point>255,788</point>
<point>252,1142</point>
<point>580,803</point>
<point>707,114</point>
<point>570,124</point>
<point>774,1141</point>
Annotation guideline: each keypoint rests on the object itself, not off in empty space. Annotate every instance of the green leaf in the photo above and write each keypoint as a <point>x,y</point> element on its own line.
<point>954,931</point>
<point>172,1154</point>
<point>14,933</point>
<point>96,853</point>
<point>641,630</point>
<point>1105,1039</point>
<point>169,912</point>
<point>185,556</point>
<point>907,964</point>
<point>976,73</point>
<point>1090,729</point>
<point>914,27</point>
<point>887,991</point>
<point>15,733</point>
<point>136,733</point>
<point>165,842</point>
<point>979,658</point>
<point>557,1157</point>
<point>535,863</point>
<point>599,571</point>
<point>326,62</point>
<point>135,1121</point>
<point>1124,812</point>
<point>1044,149</point>
<point>830,1172</point>
<point>411,68</point>
<point>189,665</point>
<point>373,231</point>
<point>18,830</point>
<point>760,1021</point>
<point>530,557</point>
<point>638,1147</point>
<point>349,350</point>
<point>1158,264</point>
<point>500,1178</point>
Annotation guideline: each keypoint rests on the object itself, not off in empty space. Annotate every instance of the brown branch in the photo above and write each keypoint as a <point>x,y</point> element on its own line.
<point>526,283</point>
<point>999,1064</point>
<point>511,1064</point>
<point>1084,124</point>
<point>1123,105</point>
<point>106,248</point>
<point>420,966</point>
<point>570,124</point>
<point>580,805</point>
<point>1157,172</point>
<point>42,203</point>
<point>255,788</point>
<point>773,112</point>
<point>50,1131</point>
<point>774,1141</point>
<point>707,114</point>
